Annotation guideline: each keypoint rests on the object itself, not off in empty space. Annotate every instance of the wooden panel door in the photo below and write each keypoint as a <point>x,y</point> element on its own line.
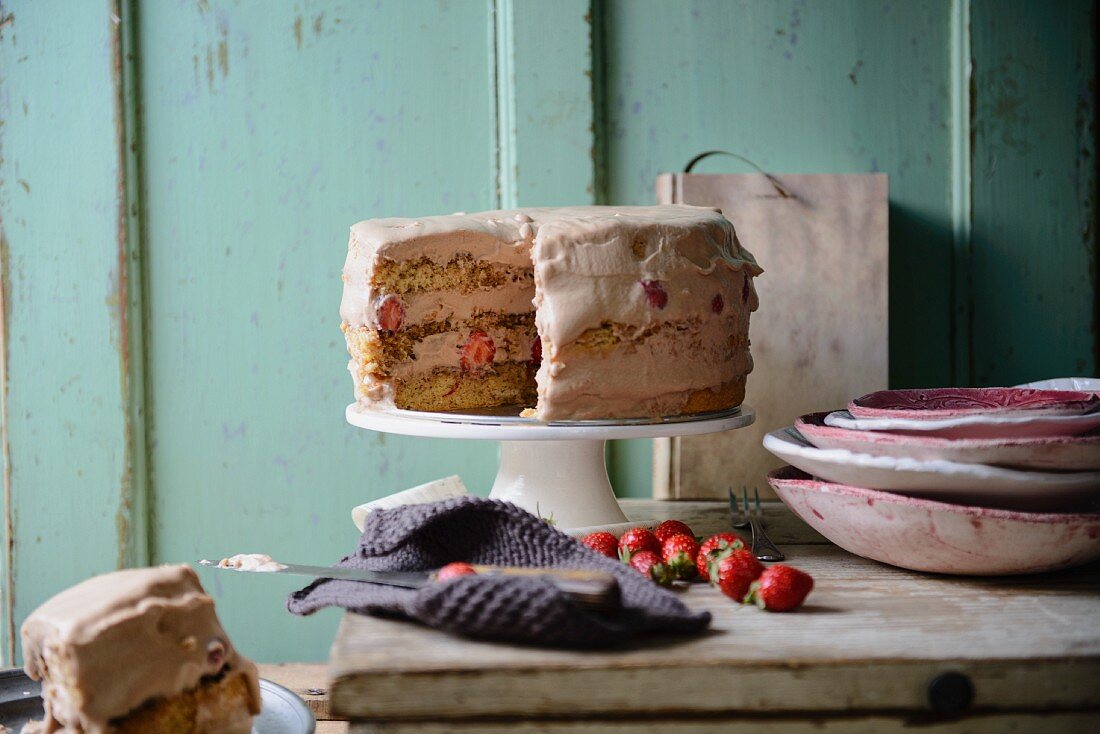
<point>177,179</point>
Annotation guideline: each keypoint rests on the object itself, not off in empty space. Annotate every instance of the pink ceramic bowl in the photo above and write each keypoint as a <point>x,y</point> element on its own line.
<point>923,535</point>
<point>954,402</point>
<point>1050,453</point>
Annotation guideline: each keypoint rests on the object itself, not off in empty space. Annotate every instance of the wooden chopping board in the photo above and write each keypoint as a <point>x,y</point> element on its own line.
<point>820,336</point>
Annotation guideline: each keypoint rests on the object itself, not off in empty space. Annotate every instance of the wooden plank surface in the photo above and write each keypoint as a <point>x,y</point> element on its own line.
<point>1032,302</point>
<point>982,113</point>
<point>1071,723</point>
<point>269,130</point>
<point>842,222</point>
<point>295,121</point>
<point>544,102</point>
<point>311,680</point>
<point>65,366</point>
<point>266,129</point>
<point>870,639</point>
<point>848,86</point>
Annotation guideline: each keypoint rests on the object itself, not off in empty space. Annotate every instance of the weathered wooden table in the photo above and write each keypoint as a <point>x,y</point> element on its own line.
<point>875,648</point>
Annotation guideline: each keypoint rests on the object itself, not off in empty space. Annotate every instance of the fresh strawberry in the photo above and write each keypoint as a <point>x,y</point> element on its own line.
<point>780,588</point>
<point>679,553</point>
<point>391,313</point>
<point>603,543</point>
<point>477,352</point>
<point>536,352</point>
<point>717,304</point>
<point>636,540</point>
<point>714,543</point>
<point>454,570</point>
<point>734,571</point>
<point>649,564</point>
<point>668,528</point>
<point>655,293</point>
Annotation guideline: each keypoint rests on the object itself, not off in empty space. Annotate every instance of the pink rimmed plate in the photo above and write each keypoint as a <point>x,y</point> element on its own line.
<point>947,481</point>
<point>1009,425</point>
<point>1058,453</point>
<point>923,535</point>
<point>958,402</point>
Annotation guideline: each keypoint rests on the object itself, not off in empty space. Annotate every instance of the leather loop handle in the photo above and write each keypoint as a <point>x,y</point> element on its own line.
<point>771,179</point>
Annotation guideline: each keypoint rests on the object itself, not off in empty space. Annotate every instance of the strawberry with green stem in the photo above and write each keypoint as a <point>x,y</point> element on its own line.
<point>636,540</point>
<point>711,546</point>
<point>648,563</point>
<point>603,543</point>
<point>780,588</point>
<point>668,528</point>
<point>679,552</point>
<point>733,571</point>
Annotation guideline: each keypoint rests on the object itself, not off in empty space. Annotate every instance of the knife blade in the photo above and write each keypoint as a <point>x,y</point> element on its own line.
<point>594,590</point>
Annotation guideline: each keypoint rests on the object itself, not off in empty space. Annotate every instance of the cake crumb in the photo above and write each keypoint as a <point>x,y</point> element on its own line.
<point>527,413</point>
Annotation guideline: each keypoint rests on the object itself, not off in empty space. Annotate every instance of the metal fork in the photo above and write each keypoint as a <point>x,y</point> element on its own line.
<point>744,516</point>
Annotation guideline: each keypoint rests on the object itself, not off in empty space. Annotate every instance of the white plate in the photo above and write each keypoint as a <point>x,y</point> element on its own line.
<point>283,712</point>
<point>948,481</point>
<point>1057,453</point>
<point>1077,384</point>
<point>974,426</point>
<point>977,426</point>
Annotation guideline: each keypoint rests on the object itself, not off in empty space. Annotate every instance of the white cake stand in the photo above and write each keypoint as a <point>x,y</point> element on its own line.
<point>555,470</point>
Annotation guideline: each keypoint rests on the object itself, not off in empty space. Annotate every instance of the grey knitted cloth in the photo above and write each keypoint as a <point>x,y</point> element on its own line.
<point>530,610</point>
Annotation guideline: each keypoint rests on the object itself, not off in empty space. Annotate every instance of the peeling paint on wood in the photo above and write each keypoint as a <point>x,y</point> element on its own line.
<point>961,324</point>
<point>307,134</point>
<point>7,609</point>
<point>65,422</point>
<point>1033,283</point>
<point>545,113</point>
<point>770,81</point>
<point>120,335</point>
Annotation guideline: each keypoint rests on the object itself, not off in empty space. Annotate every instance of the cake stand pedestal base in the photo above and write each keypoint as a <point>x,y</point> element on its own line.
<point>562,481</point>
<point>554,470</point>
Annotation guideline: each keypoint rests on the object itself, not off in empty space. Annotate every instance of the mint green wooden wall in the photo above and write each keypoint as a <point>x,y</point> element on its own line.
<point>177,179</point>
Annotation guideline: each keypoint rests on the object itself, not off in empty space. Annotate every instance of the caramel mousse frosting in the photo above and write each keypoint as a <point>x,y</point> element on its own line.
<point>119,642</point>
<point>609,311</point>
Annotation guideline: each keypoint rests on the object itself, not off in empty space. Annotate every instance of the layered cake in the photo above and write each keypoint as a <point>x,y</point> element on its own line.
<point>582,312</point>
<point>138,651</point>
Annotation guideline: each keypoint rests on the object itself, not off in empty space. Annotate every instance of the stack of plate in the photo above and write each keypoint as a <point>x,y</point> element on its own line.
<point>954,480</point>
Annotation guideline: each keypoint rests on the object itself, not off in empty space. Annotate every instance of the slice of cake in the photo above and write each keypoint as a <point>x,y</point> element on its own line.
<point>138,651</point>
<point>586,312</point>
